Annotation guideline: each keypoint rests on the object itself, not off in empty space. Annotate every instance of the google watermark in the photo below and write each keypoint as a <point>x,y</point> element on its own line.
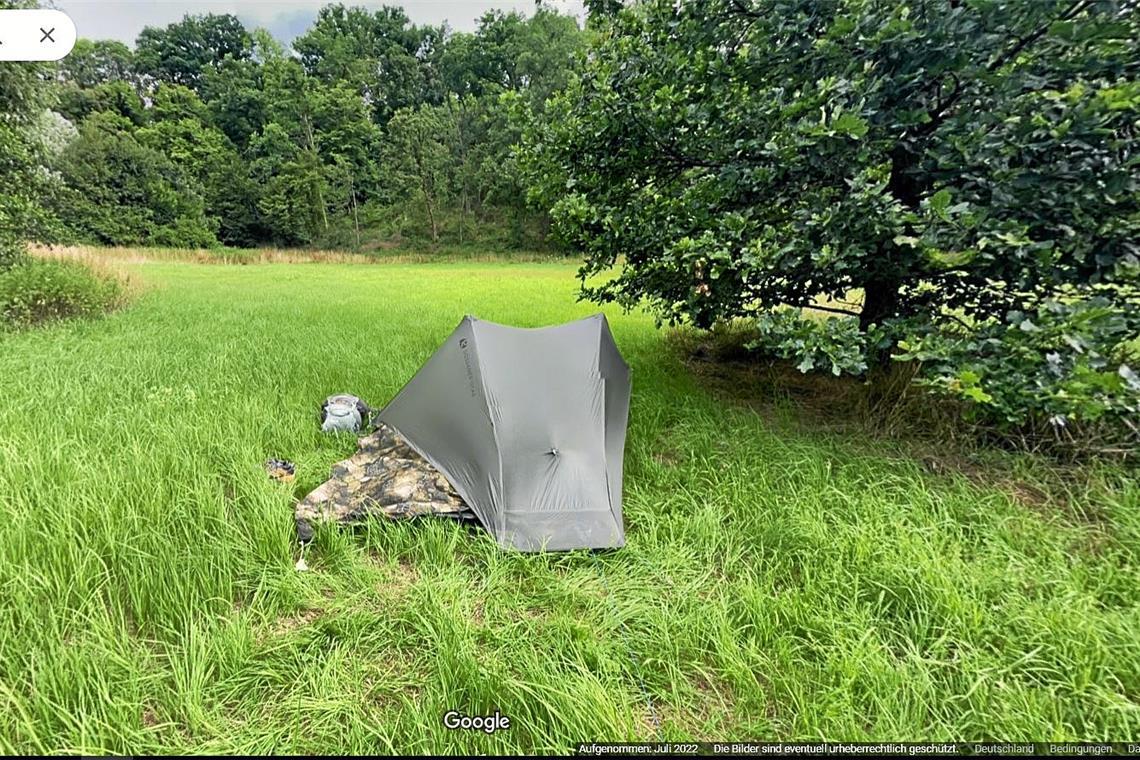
<point>488,724</point>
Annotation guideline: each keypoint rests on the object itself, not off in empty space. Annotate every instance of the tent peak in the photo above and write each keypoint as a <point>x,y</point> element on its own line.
<point>596,317</point>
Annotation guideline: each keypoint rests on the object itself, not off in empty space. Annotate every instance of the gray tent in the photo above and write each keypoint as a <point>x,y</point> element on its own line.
<point>529,426</point>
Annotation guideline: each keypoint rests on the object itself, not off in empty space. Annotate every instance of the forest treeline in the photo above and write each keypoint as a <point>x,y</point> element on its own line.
<point>953,184</point>
<point>368,128</point>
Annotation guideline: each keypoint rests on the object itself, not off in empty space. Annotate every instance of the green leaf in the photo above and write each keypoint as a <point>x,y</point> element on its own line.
<point>968,377</point>
<point>939,203</point>
<point>851,125</point>
<point>975,393</point>
<point>1129,377</point>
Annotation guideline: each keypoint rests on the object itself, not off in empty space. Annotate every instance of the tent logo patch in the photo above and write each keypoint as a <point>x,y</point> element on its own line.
<point>467,366</point>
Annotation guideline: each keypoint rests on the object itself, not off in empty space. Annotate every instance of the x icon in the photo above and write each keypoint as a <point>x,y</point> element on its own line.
<point>47,34</point>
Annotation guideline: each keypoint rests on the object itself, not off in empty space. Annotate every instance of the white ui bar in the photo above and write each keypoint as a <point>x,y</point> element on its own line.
<point>30,34</point>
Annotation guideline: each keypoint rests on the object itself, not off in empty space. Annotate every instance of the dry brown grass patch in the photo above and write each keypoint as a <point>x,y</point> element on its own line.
<point>390,253</point>
<point>286,625</point>
<point>108,268</point>
<point>398,578</point>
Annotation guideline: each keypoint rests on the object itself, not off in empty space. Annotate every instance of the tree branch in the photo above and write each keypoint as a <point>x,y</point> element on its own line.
<point>1037,34</point>
<point>942,111</point>
<point>746,10</point>
<point>831,310</point>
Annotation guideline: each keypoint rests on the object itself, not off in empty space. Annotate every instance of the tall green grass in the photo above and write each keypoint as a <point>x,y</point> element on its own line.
<point>35,290</point>
<point>777,583</point>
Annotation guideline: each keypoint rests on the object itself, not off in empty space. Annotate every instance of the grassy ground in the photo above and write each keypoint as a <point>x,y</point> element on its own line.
<point>777,583</point>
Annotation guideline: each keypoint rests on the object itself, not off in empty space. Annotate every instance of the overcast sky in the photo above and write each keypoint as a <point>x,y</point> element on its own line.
<point>124,19</point>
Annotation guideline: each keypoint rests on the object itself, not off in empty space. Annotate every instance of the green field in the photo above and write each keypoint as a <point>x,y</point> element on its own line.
<point>778,582</point>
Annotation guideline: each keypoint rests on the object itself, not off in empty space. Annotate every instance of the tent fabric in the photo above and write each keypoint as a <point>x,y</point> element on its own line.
<point>528,425</point>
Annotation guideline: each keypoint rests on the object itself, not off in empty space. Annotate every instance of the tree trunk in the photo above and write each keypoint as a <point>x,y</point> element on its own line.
<point>426,187</point>
<point>463,213</point>
<point>355,214</point>
<point>321,204</point>
<point>431,217</point>
<point>881,290</point>
<point>880,300</point>
<point>317,160</point>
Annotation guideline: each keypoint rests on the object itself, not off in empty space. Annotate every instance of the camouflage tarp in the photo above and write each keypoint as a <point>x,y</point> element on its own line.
<point>385,478</point>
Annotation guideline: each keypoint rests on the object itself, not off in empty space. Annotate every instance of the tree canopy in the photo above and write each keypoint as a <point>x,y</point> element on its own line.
<point>971,156</point>
<point>294,146</point>
<point>181,52</point>
<point>935,165</point>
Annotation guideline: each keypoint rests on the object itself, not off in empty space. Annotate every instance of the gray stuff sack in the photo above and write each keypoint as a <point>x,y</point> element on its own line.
<point>344,412</point>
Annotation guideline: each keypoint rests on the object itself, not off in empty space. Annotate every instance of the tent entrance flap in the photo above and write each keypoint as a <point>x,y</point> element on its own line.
<point>529,427</point>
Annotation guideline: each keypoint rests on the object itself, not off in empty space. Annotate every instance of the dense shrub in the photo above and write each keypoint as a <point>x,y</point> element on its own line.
<point>1066,363</point>
<point>118,191</point>
<point>834,344</point>
<point>38,290</point>
<point>1067,369</point>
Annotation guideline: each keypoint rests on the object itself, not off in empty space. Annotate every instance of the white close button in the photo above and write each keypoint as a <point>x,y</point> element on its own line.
<point>30,34</point>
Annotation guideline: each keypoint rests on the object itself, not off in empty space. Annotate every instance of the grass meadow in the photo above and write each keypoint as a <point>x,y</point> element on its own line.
<point>779,582</point>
